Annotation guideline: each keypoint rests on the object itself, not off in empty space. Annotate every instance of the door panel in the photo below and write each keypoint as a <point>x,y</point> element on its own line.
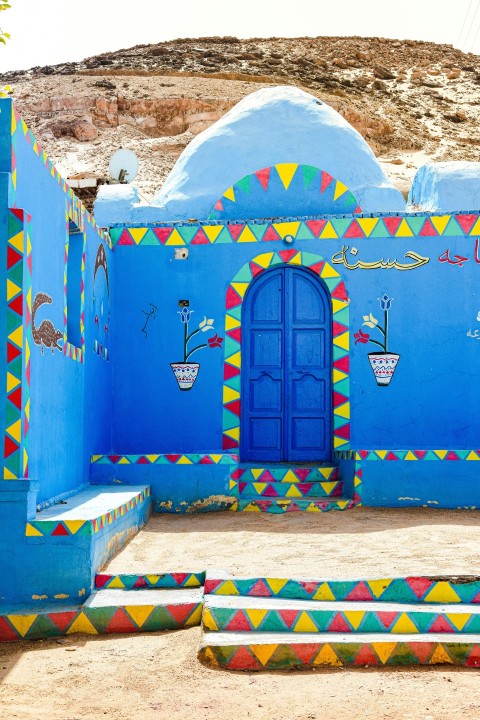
<point>286,376</point>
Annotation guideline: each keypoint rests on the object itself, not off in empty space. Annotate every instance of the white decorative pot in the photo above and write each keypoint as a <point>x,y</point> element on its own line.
<point>383,366</point>
<point>185,374</point>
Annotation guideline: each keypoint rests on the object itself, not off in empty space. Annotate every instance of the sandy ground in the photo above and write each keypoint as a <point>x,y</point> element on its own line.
<point>157,676</point>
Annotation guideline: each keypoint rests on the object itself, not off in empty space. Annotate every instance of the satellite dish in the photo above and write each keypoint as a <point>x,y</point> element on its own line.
<point>123,166</point>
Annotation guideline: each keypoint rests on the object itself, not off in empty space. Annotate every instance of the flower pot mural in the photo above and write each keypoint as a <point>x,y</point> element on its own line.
<point>186,372</point>
<point>383,362</point>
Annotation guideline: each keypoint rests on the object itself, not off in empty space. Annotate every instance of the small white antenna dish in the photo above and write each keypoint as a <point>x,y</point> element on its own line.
<point>123,166</point>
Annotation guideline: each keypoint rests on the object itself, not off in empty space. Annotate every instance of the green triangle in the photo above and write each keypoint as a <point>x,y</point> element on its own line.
<point>350,200</point>
<point>341,225</point>
<point>259,229</point>
<point>343,316</point>
<point>115,234</point>
<point>224,238</point>
<point>473,624</point>
<point>42,628</point>
<point>431,456</point>
<point>339,352</point>
<point>284,657</point>
<point>244,184</point>
<point>347,652</point>
<point>229,420</point>
<point>14,225</point>
<point>15,367</point>
<point>11,414</point>
<point>371,624</point>
<point>310,258</point>
<point>244,274</point>
<point>399,591</point>
<point>453,229</point>
<point>304,233</point>
<point>415,224</point>
<point>233,382</point>
<point>235,312</point>
<point>380,230</point>
<point>223,653</point>
<point>13,321</point>
<point>188,232</point>
<point>222,616</point>
<point>159,619</point>
<point>16,274</point>
<point>272,622</point>
<point>422,620</point>
<point>403,655</point>
<point>309,172</point>
<point>231,346</point>
<point>459,652</point>
<point>13,463</point>
<point>337,420</point>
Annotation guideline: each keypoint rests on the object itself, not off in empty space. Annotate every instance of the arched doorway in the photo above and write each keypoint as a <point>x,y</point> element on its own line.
<point>287,368</point>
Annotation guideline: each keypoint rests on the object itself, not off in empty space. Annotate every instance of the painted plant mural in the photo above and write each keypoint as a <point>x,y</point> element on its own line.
<point>185,371</point>
<point>45,335</point>
<point>383,362</point>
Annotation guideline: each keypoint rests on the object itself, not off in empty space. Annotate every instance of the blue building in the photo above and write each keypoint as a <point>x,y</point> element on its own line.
<point>277,331</point>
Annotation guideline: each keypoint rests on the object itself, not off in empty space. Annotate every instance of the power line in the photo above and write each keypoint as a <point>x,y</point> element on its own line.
<point>471,24</point>
<point>464,21</point>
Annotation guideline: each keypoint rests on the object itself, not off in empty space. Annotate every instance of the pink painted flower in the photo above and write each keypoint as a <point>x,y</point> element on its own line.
<point>361,337</point>
<point>215,341</point>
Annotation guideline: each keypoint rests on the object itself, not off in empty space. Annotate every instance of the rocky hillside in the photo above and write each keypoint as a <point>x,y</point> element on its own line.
<point>412,101</point>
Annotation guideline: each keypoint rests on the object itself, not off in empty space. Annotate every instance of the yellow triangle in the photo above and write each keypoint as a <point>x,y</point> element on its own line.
<point>139,613</point>
<point>338,442</point>
<point>342,504</point>
<point>342,341</point>
<point>233,433</point>
<point>124,461</point>
<point>256,472</point>
<point>259,487</point>
<point>213,231</point>
<point>473,456</point>
<point>82,624</point>
<point>338,375</point>
<point>328,232</point>
<point>209,657</point>
<point>289,477</point>
<point>229,194</point>
<point>231,322</point>
<point>328,486</point>
<point>440,453</point>
<point>232,484</point>
<point>382,454</point>
<point>256,616</point>
<point>440,656</point>
<point>324,593</point>
<point>404,625</point>
<point>246,235</point>
<point>227,588</point>
<point>263,652</point>
<point>276,584</point>
<point>152,579</point>
<point>326,472</point>
<point>384,650</point>
<point>252,507</point>
<point>442,592</point>
<point>458,619</point>
<point>367,225</point>
<point>116,583</point>
<point>184,461</point>
<point>8,475</point>
<point>293,491</point>
<point>216,458</point>
<point>440,222</point>
<point>15,430</point>
<point>327,656</point>
<point>264,260</point>
<point>305,624</point>
<point>354,617</point>
<point>378,587</point>
<point>152,458</point>
<point>328,272</point>
<point>175,239</point>
<point>17,241</point>
<point>196,617</point>
<point>338,305</point>
<point>235,360</point>
<point>296,259</point>
<point>74,525</point>
<point>22,623</point>
<point>31,531</point>
<point>404,230</point>
<point>287,228</point>
<point>138,234</point>
<point>476,228</point>
<point>12,382</point>
<point>286,172</point>
<point>410,456</point>
<point>343,411</point>
<point>191,582</point>
<point>240,287</point>
<point>340,189</point>
<point>12,289</point>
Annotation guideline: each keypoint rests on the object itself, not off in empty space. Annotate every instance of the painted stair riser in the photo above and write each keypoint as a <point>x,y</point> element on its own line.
<point>138,582</point>
<point>285,505</point>
<point>395,590</point>
<point>299,490</point>
<point>290,619</point>
<point>274,652</point>
<point>285,474</point>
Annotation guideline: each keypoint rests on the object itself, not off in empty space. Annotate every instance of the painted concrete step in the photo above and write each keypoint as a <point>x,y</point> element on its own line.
<point>106,611</point>
<point>285,472</point>
<point>300,651</point>
<point>129,581</point>
<point>414,589</point>
<point>329,488</point>
<point>283,505</point>
<point>243,614</point>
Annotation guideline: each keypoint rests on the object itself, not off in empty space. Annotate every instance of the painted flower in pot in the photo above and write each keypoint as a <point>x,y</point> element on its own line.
<point>383,363</point>
<point>186,372</point>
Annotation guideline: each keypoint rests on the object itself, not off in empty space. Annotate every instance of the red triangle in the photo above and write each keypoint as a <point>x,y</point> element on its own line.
<point>263,177</point>
<point>422,650</point>
<point>101,580</point>
<point>239,623</point>
<point>266,476</point>
<point>466,222</point>
<point>62,619</point>
<point>242,486</point>
<point>229,443</point>
<point>230,371</point>
<point>16,211</point>
<point>354,231</point>
<point>419,585</point>
<point>218,205</point>
<point>391,456</point>
<point>473,659</point>
<point>420,453</point>
<point>27,373</point>
<point>317,267</point>
<point>7,633</point>
<point>343,364</point>
<point>17,304</point>
<point>326,180</point>
<point>12,352</point>
<point>140,582</point>
<point>256,269</point>
<point>233,298</point>
<point>360,592</point>
<point>120,623</point>
<point>235,230</point>
<point>452,456</point>
<point>316,226</point>
<point>392,223</point>
<point>387,618</point>
<point>234,407</point>
<point>302,473</point>
<point>271,234</point>
<point>287,255</point>
<point>143,461</point>
<point>200,238</point>
<point>29,263</point>
<point>304,487</point>
<point>427,230</point>
<point>12,257</point>
<point>242,660</point>
<point>366,656</point>
<point>305,651</point>
<point>363,454</point>
<point>162,234</point>
<point>237,474</point>
<point>60,531</point>
<point>358,209</point>
<point>270,491</point>
<point>206,460</point>
<point>339,399</point>
<point>10,446</point>
<point>340,292</point>
<point>338,624</point>
<point>289,617</point>
<point>260,589</point>
<point>441,625</point>
<point>173,458</point>
<point>309,587</point>
<point>338,328</point>
<point>15,397</point>
<point>180,577</point>
<point>343,432</point>
<point>114,458</point>
<point>181,612</point>
<point>236,334</point>
<point>211,585</point>
<point>125,238</point>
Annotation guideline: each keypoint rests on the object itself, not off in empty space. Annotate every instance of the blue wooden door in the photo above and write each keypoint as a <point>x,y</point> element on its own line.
<point>286,368</point>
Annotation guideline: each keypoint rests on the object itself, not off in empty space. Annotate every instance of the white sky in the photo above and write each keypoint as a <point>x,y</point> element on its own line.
<point>45,32</point>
